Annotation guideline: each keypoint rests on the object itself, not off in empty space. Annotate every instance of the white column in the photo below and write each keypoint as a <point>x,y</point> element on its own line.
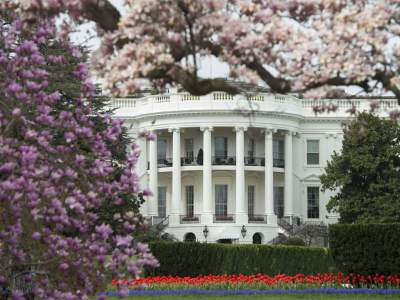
<point>269,179</point>
<point>206,217</point>
<point>153,177</point>
<point>288,193</point>
<point>176,176</point>
<point>241,215</point>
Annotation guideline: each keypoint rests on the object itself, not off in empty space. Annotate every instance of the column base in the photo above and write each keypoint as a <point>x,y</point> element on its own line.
<point>272,219</point>
<point>173,220</point>
<point>206,218</point>
<point>241,218</point>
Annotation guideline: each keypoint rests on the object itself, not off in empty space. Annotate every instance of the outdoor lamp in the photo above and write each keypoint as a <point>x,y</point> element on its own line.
<point>243,231</point>
<point>205,231</point>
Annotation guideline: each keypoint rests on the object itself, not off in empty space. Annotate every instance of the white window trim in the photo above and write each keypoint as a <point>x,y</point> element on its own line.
<point>316,138</point>
<point>305,193</point>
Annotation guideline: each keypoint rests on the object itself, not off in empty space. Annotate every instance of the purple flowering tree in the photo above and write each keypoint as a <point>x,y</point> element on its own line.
<point>55,170</point>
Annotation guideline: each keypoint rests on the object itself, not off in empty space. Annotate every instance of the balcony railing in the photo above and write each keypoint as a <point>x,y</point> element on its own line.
<point>224,160</point>
<point>279,163</point>
<point>189,219</point>
<point>254,161</point>
<point>258,219</point>
<point>164,162</point>
<point>224,218</point>
<point>191,161</point>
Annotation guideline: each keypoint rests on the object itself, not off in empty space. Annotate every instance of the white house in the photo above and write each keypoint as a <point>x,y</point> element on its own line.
<point>228,167</point>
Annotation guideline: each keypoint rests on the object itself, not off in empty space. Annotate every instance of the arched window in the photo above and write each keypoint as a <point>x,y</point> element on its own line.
<point>257,238</point>
<point>189,237</point>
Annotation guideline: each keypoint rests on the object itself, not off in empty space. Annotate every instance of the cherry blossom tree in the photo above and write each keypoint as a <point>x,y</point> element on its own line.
<point>307,46</point>
<point>56,170</point>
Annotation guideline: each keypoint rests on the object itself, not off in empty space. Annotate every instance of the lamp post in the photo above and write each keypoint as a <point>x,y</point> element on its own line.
<point>205,232</point>
<point>243,231</point>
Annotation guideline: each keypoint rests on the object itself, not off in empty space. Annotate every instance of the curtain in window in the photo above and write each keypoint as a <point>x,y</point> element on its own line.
<point>221,199</point>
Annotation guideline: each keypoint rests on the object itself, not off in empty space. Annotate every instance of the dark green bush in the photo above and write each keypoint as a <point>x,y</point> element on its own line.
<point>294,241</point>
<point>191,259</point>
<point>366,248</point>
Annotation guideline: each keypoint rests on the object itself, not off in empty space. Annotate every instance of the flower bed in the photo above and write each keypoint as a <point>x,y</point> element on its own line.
<point>262,282</point>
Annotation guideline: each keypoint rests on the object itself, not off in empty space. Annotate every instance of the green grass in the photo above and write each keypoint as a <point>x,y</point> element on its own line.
<point>267,297</point>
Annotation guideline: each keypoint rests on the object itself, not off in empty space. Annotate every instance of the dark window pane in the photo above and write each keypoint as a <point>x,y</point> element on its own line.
<point>313,202</point>
<point>250,199</point>
<point>221,199</point>
<point>162,201</point>
<point>189,200</point>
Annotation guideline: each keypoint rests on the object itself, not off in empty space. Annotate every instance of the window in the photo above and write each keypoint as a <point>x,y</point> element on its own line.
<point>162,201</point>
<point>250,200</point>
<point>189,148</point>
<point>161,150</point>
<point>312,152</point>
<point>221,147</point>
<point>278,148</point>
<point>278,201</point>
<point>251,148</point>
<point>221,199</point>
<point>313,202</point>
<point>189,200</point>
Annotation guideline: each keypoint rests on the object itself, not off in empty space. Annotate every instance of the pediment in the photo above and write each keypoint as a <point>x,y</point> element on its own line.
<point>311,177</point>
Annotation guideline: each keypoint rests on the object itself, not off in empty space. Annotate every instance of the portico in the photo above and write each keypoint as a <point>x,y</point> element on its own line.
<point>237,152</point>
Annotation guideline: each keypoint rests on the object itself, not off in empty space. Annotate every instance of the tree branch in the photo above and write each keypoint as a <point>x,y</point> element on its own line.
<point>103,13</point>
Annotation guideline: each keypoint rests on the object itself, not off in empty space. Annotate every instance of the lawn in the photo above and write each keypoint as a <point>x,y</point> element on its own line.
<point>267,297</point>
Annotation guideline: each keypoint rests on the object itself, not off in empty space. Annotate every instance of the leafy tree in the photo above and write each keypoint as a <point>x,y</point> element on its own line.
<point>366,174</point>
<point>58,167</point>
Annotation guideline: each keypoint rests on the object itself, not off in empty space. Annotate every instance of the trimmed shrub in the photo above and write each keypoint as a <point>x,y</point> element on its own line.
<point>294,241</point>
<point>366,248</point>
<point>192,259</point>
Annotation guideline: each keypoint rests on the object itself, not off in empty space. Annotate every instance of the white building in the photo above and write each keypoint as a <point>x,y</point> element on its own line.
<point>227,167</point>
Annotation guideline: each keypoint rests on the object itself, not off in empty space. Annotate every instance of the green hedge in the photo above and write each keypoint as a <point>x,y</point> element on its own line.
<point>366,248</point>
<point>191,259</point>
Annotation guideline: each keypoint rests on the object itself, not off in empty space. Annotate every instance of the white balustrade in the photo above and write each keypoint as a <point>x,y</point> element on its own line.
<point>265,102</point>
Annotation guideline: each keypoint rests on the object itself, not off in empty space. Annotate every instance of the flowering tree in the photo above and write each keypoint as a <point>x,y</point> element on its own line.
<point>309,46</point>
<point>56,170</point>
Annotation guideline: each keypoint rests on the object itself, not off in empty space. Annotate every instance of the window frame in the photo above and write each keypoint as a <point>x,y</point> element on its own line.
<point>221,205</point>
<point>161,209</point>
<point>313,153</point>
<point>225,145</point>
<point>279,210</point>
<point>189,154</point>
<point>159,140</point>
<point>316,215</point>
<point>251,192</point>
<point>189,195</point>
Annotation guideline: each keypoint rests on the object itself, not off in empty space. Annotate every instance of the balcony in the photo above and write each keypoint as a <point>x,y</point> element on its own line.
<point>279,163</point>
<point>224,218</point>
<point>191,161</point>
<point>189,219</point>
<point>164,162</point>
<point>216,160</point>
<point>257,219</point>
<point>224,160</point>
<point>254,161</point>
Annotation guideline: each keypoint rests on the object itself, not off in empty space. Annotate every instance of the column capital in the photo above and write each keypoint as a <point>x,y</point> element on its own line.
<point>268,131</point>
<point>240,128</point>
<point>174,129</point>
<point>290,132</point>
<point>206,128</point>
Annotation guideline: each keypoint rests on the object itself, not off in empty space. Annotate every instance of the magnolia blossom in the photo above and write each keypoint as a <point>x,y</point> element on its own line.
<point>295,45</point>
